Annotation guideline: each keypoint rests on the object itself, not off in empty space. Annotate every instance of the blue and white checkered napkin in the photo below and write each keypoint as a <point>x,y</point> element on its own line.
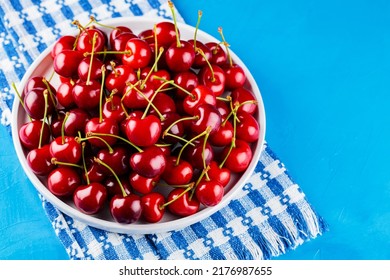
<point>269,216</point>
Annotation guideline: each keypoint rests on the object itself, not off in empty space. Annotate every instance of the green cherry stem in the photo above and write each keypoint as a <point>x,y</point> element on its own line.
<point>226,44</point>
<point>201,52</point>
<point>44,118</point>
<point>56,162</point>
<point>63,127</point>
<point>113,173</point>
<point>96,134</point>
<point>154,66</point>
<point>172,8</point>
<point>177,197</point>
<point>101,93</point>
<point>172,82</point>
<point>91,59</point>
<point>188,143</point>
<point>21,100</point>
<point>197,27</point>
<point>84,164</point>
<point>91,136</point>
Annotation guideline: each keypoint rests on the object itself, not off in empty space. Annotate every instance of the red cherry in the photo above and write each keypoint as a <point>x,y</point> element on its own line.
<point>113,187</point>
<point>117,160</point>
<point>63,180</point>
<point>76,122</point>
<point>219,56</point>
<point>120,41</point>
<point>86,95</point>
<point>197,156</point>
<point>141,184</point>
<point>180,58</point>
<point>239,157</point>
<point>105,126</point>
<point>187,80</point>
<point>152,210</point>
<point>209,193</point>
<point>149,163</point>
<point>66,63</point>
<point>143,132</point>
<point>118,30</point>
<point>235,76</point>
<point>30,132</point>
<point>64,94</point>
<point>94,171</point>
<point>85,40</point>
<point>126,210</point>
<point>89,199</point>
<point>132,99</point>
<point>182,204</point>
<point>164,104</point>
<point>35,83</point>
<point>39,160</point>
<point>34,103</point>
<point>213,78</point>
<point>223,136</point>
<point>165,32</point>
<point>87,70</point>
<point>65,42</point>
<point>139,55</point>
<point>248,128</point>
<point>220,174</point>
<point>199,95</point>
<point>118,77</point>
<point>66,149</point>
<point>112,109</point>
<point>177,173</point>
<point>208,118</point>
<point>241,95</point>
<point>201,60</point>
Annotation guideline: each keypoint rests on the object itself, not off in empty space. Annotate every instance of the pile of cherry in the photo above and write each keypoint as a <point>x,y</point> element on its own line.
<point>134,112</point>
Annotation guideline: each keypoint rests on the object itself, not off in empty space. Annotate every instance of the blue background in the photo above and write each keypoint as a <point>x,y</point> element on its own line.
<point>323,68</point>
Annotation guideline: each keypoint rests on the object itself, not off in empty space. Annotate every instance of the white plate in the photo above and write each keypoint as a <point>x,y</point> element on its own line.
<point>42,66</point>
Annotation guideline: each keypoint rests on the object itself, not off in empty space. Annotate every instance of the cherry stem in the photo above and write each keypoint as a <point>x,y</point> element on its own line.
<point>43,121</point>
<point>21,100</point>
<point>113,173</point>
<point>188,143</point>
<point>63,128</point>
<point>116,73</point>
<point>91,134</point>
<point>101,93</point>
<point>208,129</point>
<point>172,8</point>
<point>160,52</point>
<point>91,60</point>
<point>50,93</point>
<point>84,165</point>
<point>233,143</point>
<point>201,52</point>
<point>197,27</point>
<point>226,44</point>
<point>172,82</point>
<point>56,162</point>
<point>166,131</point>
<point>204,173</point>
<point>177,197</point>
<point>177,137</point>
<point>93,19</point>
<point>162,184</point>
<point>156,54</point>
<point>107,52</point>
<point>149,103</point>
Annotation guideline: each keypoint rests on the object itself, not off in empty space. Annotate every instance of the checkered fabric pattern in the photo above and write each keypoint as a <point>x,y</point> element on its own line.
<point>269,216</point>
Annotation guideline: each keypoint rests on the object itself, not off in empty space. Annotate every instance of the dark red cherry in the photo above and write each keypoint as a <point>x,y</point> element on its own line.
<point>106,126</point>
<point>63,180</point>
<point>118,30</point>
<point>66,149</point>
<point>90,199</point>
<point>34,103</point>
<point>223,136</point>
<point>126,210</point>
<point>220,174</point>
<point>66,63</point>
<point>208,118</point>
<point>182,205</point>
<point>209,193</point>
<point>139,55</point>
<point>177,172</point>
<point>143,132</point>
<point>39,160</point>
<point>187,80</point>
<point>235,76</point>
<point>219,56</point>
<point>85,40</point>
<point>94,172</point>
<point>197,156</point>
<point>113,187</point>
<point>112,109</point>
<point>119,43</point>
<point>239,157</point>
<point>149,163</point>
<point>141,184</point>
<point>65,96</point>
<point>152,207</point>
<point>29,134</point>
<point>117,160</point>
<point>87,70</point>
<point>200,59</point>
<point>76,122</point>
<point>247,128</point>
<point>165,32</point>
<point>201,94</point>
<point>35,83</point>
<point>119,77</point>
<point>86,94</point>
<point>213,78</point>
<point>65,42</point>
<point>243,95</point>
<point>180,58</point>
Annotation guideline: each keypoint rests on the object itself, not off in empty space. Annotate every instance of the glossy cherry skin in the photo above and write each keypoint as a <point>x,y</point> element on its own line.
<point>208,118</point>
<point>85,40</point>
<point>76,122</point>
<point>118,160</point>
<point>66,63</point>
<point>182,205</point>
<point>113,187</point>
<point>90,199</point>
<point>34,103</point>
<point>94,172</point>
<point>87,95</point>
<point>187,80</point>
<point>66,149</point>
<point>177,173</point>
<point>113,110</point>
<point>141,184</point>
<point>165,33</point>
<point>106,126</point>
<point>215,82</point>
<point>65,42</point>
<point>223,136</point>
<point>126,210</point>
<point>196,156</point>
<point>35,83</point>
<point>239,157</point>
<point>235,76</point>
<point>143,132</point>
<point>220,174</point>
<point>64,95</point>
<point>118,30</point>
<point>248,128</point>
<point>201,94</point>
<point>241,95</point>
<point>219,56</point>
<point>178,129</point>
<point>200,60</point>
<point>132,99</point>
<point>152,207</point>
<point>118,77</point>
<point>85,65</point>
<point>149,163</point>
<point>29,134</point>
<point>209,193</point>
<point>63,180</point>
<point>180,58</point>
<point>139,55</point>
<point>164,104</point>
<point>39,160</point>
